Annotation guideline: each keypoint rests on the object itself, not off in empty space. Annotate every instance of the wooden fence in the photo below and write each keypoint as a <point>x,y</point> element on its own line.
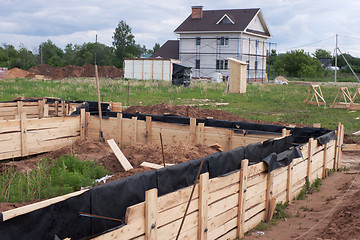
<point>128,131</point>
<point>227,207</point>
<point>22,137</point>
<point>36,109</point>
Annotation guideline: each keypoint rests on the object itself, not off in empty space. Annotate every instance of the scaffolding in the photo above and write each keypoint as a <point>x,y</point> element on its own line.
<point>208,55</point>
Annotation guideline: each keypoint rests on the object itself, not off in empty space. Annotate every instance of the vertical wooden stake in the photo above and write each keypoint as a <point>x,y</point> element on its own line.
<point>242,198</point>
<point>19,108</point>
<point>82,123</point>
<point>270,200</point>
<point>87,123</point>
<point>133,130</point>
<point>56,105</point>
<point>192,133</point>
<point>41,107</point>
<point>341,141</point>
<point>337,146</point>
<point>63,108</point>
<point>23,138</point>
<point>119,122</point>
<point>289,192</point>
<point>228,140</point>
<point>201,127</point>
<point>46,110</point>
<point>151,214</point>
<point>325,160</point>
<point>203,206</point>
<point>283,132</point>
<point>310,157</point>
<point>148,129</point>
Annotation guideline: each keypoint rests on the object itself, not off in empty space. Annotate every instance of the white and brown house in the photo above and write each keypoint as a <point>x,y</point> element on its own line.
<point>207,38</point>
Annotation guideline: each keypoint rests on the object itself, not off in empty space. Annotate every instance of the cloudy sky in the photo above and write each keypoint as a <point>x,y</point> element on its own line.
<point>307,24</point>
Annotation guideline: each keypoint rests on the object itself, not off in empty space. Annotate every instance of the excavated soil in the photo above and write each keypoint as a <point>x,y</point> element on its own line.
<point>57,73</point>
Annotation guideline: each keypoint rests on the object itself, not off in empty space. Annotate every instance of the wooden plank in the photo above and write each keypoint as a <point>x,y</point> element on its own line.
<point>45,146</point>
<point>215,223</point>
<point>223,205</point>
<point>192,133</point>
<point>228,139</point>
<point>23,137</point>
<point>242,198</point>
<point>82,123</point>
<point>289,183</point>
<point>87,122</point>
<point>148,129</point>
<point>201,135</point>
<point>310,156</point>
<point>32,207</point>
<point>119,121</point>
<point>203,206</point>
<point>151,214</point>
<point>269,196</point>
<point>223,181</point>
<point>119,155</point>
<point>350,147</point>
<point>252,222</point>
<point>7,126</point>
<point>133,136</point>
<point>257,168</point>
<point>151,165</point>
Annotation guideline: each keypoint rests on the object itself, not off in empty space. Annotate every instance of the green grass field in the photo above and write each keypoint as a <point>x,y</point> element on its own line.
<point>266,102</point>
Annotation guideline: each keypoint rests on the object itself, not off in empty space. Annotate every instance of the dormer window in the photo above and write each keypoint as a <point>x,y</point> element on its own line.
<point>225,20</point>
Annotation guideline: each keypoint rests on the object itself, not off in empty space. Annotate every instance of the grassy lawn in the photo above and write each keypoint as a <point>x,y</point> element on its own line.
<point>267,102</point>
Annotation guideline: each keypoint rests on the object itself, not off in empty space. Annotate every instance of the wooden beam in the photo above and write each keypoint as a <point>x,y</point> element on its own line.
<point>242,198</point>
<point>269,196</point>
<point>151,214</point>
<point>82,123</point>
<point>310,156</point>
<point>192,133</point>
<point>350,147</point>
<point>325,160</point>
<point>229,135</point>
<point>23,138</point>
<point>119,123</point>
<point>119,155</point>
<point>289,187</point>
<point>203,206</point>
<point>133,133</point>
<point>87,122</point>
<point>148,129</point>
<point>337,146</point>
<point>201,135</point>
<point>340,145</point>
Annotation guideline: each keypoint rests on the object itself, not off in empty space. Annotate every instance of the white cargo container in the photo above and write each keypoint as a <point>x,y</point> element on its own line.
<point>149,69</point>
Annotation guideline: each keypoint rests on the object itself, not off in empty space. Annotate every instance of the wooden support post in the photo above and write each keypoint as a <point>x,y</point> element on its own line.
<point>228,140</point>
<point>46,110</point>
<point>242,198</point>
<point>340,146</point>
<point>23,138</point>
<point>87,122</point>
<point>56,106</point>
<point>63,108</point>
<point>325,160</point>
<point>119,122</point>
<point>192,133</point>
<point>133,136</point>
<point>283,132</point>
<point>19,109</point>
<point>337,144</point>
<point>148,129</point>
<point>289,184</point>
<point>201,135</point>
<point>270,200</point>
<point>82,123</point>
<point>151,214</point>
<point>41,107</point>
<point>310,157</point>
<point>203,206</point>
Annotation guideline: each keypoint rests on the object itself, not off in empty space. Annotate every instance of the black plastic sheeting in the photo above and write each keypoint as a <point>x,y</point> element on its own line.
<point>181,75</point>
<point>112,199</point>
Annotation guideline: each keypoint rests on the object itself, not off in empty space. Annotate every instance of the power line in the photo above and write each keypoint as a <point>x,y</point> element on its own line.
<point>309,43</point>
<point>357,38</point>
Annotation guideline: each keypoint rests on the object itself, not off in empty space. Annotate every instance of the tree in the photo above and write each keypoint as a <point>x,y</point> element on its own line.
<point>51,54</point>
<point>124,43</point>
<point>297,63</point>
<point>321,54</point>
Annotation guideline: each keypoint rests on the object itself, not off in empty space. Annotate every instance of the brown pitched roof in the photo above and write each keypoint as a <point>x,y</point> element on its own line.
<point>240,17</point>
<point>170,49</point>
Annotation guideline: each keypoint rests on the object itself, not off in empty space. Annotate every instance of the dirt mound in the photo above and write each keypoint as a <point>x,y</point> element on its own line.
<point>16,73</point>
<point>194,112</point>
<point>88,70</point>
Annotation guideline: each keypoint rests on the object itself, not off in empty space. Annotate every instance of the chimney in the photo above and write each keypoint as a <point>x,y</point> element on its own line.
<point>197,12</point>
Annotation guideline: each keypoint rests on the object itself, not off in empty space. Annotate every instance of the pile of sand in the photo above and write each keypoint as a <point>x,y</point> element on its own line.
<point>16,73</point>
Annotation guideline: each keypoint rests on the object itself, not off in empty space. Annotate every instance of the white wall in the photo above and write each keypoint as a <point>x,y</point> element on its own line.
<point>148,69</point>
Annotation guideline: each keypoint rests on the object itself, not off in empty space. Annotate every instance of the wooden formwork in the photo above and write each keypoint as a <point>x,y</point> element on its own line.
<point>225,207</point>
<point>36,109</point>
<point>22,137</point>
<point>128,131</point>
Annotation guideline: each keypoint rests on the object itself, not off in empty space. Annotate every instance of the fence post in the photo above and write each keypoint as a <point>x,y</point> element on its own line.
<point>192,133</point>
<point>119,128</point>
<point>341,141</point>
<point>201,136</point>
<point>242,198</point>
<point>19,108</point>
<point>148,129</point>
<point>289,192</point>
<point>337,144</point>
<point>325,160</point>
<point>310,157</point>
<point>23,138</point>
<point>56,106</point>
<point>151,214</point>
<point>203,206</point>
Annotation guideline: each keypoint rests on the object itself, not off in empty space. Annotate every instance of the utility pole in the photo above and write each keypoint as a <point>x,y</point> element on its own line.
<point>336,48</point>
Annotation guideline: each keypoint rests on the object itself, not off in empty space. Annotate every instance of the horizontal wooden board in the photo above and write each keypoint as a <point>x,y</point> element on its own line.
<point>223,205</point>
<point>254,221</point>
<point>257,168</point>
<point>9,126</point>
<point>215,223</point>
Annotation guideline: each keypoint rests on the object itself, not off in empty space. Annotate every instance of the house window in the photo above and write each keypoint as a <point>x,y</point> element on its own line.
<point>223,41</point>
<point>197,64</point>
<point>198,41</point>
<point>222,64</point>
